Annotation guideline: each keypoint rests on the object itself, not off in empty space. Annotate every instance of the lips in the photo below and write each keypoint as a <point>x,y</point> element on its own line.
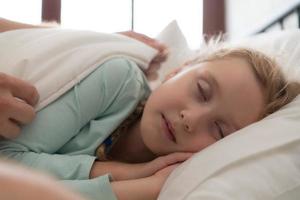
<point>168,129</point>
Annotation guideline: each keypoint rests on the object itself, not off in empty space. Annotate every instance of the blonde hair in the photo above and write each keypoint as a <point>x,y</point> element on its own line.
<point>278,91</point>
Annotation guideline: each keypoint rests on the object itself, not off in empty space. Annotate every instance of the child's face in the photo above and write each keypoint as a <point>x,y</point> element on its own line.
<point>197,108</point>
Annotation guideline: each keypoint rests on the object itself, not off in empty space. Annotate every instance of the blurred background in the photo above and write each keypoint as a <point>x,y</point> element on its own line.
<point>237,18</point>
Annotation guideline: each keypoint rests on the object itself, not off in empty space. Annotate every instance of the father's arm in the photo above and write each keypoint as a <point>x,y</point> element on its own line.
<point>7,25</point>
<point>20,183</point>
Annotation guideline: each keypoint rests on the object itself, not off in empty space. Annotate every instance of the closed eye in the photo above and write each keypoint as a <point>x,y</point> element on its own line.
<point>201,91</point>
<point>220,130</point>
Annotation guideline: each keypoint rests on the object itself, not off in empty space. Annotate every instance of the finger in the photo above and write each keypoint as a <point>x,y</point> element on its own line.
<point>153,67</point>
<point>154,43</point>
<point>152,71</point>
<point>9,129</point>
<point>161,56</point>
<point>178,157</point>
<point>19,88</point>
<point>167,170</point>
<point>15,109</point>
<point>21,112</point>
<point>152,77</point>
<point>157,45</point>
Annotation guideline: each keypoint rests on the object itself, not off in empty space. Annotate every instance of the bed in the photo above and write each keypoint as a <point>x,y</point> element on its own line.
<point>261,161</point>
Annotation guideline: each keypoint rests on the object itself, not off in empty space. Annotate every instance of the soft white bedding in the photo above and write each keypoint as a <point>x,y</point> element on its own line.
<point>261,161</point>
<point>56,59</point>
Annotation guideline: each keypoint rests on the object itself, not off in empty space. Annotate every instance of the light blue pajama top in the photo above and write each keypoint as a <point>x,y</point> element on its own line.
<point>64,136</point>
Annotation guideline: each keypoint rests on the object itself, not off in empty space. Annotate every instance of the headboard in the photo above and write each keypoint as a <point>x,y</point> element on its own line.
<point>292,10</point>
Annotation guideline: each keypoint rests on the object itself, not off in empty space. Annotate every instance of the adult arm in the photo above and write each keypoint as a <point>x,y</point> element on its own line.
<point>8,25</point>
<point>19,183</point>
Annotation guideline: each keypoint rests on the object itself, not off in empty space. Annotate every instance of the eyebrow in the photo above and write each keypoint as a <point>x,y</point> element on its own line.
<point>216,87</point>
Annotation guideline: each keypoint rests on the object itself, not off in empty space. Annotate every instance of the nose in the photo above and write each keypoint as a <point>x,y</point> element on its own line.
<point>186,125</point>
<point>194,120</point>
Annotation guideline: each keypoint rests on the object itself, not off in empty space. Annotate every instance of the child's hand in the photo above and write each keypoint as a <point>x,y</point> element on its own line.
<point>142,188</point>
<point>164,173</point>
<point>125,171</point>
<point>164,161</point>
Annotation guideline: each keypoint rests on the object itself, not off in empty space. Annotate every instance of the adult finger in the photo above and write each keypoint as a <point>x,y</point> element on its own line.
<point>152,71</point>
<point>154,43</point>
<point>19,111</point>
<point>153,67</point>
<point>9,129</point>
<point>161,56</point>
<point>19,88</point>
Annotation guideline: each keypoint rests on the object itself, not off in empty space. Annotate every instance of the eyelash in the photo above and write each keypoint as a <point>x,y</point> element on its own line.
<point>201,92</point>
<point>220,130</point>
<point>205,99</point>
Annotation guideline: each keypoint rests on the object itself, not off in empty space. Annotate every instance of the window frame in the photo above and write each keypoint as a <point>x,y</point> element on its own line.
<point>213,14</point>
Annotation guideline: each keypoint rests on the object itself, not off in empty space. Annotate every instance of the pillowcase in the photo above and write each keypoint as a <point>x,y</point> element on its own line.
<point>260,161</point>
<point>284,46</point>
<point>178,51</point>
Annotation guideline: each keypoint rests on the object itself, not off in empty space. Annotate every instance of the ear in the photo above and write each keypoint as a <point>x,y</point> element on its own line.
<point>172,73</point>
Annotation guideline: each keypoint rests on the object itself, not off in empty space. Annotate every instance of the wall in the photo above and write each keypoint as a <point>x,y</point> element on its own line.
<point>242,17</point>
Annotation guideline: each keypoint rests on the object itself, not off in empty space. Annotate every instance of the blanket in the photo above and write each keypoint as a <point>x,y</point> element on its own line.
<point>54,60</point>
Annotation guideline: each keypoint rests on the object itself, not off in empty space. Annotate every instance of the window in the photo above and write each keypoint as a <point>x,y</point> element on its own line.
<point>150,17</point>
<point>98,15</point>
<point>28,11</point>
<point>145,16</point>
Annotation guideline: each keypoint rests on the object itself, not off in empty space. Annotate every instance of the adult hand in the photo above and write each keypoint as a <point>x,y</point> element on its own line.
<point>152,71</point>
<point>17,98</point>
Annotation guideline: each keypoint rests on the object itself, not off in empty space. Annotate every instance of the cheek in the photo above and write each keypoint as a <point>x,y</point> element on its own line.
<point>199,143</point>
<point>145,129</point>
<point>150,134</point>
<point>157,100</point>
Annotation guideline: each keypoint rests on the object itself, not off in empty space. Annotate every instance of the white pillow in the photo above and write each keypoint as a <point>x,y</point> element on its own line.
<point>261,161</point>
<point>178,50</point>
<point>284,46</point>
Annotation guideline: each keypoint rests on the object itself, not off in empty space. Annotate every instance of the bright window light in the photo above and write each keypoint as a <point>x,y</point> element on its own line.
<point>152,16</point>
<point>26,11</point>
<point>97,15</point>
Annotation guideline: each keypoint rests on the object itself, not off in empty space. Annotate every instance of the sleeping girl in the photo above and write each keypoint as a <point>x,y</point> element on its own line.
<point>109,137</point>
